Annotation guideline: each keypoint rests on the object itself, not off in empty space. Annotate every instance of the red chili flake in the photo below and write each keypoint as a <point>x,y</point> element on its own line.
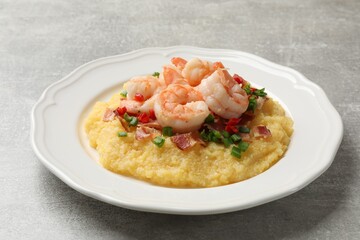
<point>139,97</point>
<point>239,79</point>
<point>143,118</point>
<point>152,114</point>
<point>121,110</point>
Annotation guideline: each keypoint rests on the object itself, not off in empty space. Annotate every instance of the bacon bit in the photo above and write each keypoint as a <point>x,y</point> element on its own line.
<point>139,97</point>
<point>153,124</point>
<point>179,62</point>
<point>143,118</point>
<point>245,137</point>
<point>260,102</point>
<point>143,132</point>
<point>108,115</point>
<point>152,114</point>
<point>261,131</point>
<point>197,138</point>
<point>124,124</point>
<point>121,110</point>
<point>246,117</point>
<point>183,141</point>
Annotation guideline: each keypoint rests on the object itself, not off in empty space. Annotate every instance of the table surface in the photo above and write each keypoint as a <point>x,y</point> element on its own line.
<point>42,41</point>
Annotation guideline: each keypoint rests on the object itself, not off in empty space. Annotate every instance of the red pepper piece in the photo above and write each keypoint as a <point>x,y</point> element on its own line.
<point>152,114</point>
<point>238,79</point>
<point>231,129</point>
<point>139,97</point>
<point>121,110</point>
<point>143,118</point>
<point>233,121</point>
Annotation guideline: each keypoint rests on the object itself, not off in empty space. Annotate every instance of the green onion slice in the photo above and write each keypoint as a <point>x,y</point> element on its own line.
<point>244,129</point>
<point>235,138</point>
<point>227,142</point>
<point>158,141</point>
<point>204,136</point>
<point>252,104</point>
<point>236,152</point>
<point>127,117</point>
<point>123,93</point>
<point>260,92</point>
<point>134,121</point>
<point>247,88</point>
<point>243,146</point>
<point>209,119</point>
<point>167,131</point>
<point>122,134</point>
<point>225,134</point>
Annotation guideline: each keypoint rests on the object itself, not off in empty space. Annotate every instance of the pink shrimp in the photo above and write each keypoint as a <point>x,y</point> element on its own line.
<point>223,95</point>
<point>145,86</point>
<point>196,70</point>
<point>181,107</point>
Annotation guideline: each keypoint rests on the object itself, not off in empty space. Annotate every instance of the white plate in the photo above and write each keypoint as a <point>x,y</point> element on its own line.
<point>58,137</point>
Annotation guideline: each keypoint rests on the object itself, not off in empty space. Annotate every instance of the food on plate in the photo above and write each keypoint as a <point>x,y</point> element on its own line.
<point>190,125</point>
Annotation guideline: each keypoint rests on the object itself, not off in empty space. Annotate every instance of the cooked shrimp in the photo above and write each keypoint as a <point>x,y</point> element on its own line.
<point>179,62</point>
<point>147,86</point>
<point>172,75</point>
<point>223,95</point>
<point>181,107</point>
<point>196,70</point>
<point>133,106</point>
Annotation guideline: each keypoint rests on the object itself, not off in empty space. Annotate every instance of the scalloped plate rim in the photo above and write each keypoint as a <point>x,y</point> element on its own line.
<point>336,120</point>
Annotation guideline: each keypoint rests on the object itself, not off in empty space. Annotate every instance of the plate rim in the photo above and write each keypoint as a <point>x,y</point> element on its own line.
<point>45,98</point>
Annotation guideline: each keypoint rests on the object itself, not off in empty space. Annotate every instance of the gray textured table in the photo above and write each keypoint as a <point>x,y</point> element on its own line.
<point>42,41</point>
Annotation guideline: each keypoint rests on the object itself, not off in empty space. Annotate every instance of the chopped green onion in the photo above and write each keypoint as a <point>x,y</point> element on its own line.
<point>260,92</point>
<point>252,104</point>
<point>134,121</point>
<point>204,136</point>
<point>158,141</point>
<point>235,138</point>
<point>225,134</point>
<point>209,119</point>
<point>243,146</point>
<point>167,131</point>
<point>123,93</point>
<point>244,129</point>
<point>227,142</point>
<point>217,134</point>
<point>236,152</point>
<point>156,74</point>
<point>122,134</point>
<point>127,117</point>
<point>247,88</point>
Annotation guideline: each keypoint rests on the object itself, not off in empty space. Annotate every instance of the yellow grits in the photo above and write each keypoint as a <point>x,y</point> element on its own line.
<point>198,166</point>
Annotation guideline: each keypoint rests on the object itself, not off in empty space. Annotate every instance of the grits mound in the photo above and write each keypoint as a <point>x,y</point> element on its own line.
<point>198,166</point>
